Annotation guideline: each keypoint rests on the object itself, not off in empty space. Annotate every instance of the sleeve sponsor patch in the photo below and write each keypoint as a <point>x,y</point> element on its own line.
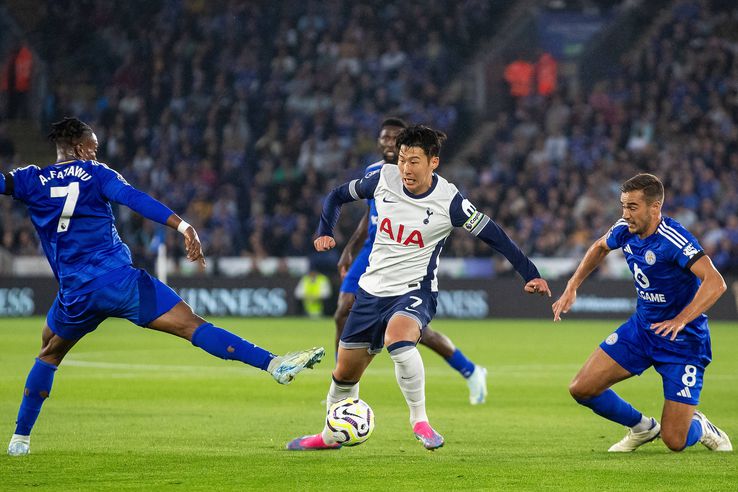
<point>689,250</point>
<point>473,221</point>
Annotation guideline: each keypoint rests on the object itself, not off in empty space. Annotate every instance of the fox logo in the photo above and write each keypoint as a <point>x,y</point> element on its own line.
<point>415,237</point>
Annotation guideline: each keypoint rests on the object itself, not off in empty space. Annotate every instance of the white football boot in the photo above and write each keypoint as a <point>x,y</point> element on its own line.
<point>633,440</point>
<point>713,438</point>
<point>477,383</point>
<point>19,445</point>
<point>284,368</point>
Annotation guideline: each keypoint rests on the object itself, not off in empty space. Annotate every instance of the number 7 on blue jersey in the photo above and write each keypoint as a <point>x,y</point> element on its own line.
<point>72,193</point>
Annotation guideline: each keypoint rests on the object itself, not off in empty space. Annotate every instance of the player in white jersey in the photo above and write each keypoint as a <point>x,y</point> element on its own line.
<point>355,260</point>
<point>417,210</point>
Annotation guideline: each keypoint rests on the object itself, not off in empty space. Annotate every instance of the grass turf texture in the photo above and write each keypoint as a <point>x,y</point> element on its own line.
<point>135,409</point>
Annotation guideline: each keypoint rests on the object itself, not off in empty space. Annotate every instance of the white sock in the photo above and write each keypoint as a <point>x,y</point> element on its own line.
<point>336,393</point>
<point>410,375</point>
<point>644,425</point>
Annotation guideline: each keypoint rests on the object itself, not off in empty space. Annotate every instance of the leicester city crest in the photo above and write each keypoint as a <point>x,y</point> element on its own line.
<point>612,339</point>
<point>650,257</point>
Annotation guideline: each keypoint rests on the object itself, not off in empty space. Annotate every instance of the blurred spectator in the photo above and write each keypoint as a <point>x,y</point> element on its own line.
<point>313,289</point>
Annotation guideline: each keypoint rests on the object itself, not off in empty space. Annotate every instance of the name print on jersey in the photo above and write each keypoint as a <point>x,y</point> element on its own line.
<point>75,171</point>
<point>415,236</point>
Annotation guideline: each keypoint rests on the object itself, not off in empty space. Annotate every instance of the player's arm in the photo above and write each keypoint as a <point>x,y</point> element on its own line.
<point>116,189</point>
<point>352,246</point>
<point>592,259</point>
<point>464,214</point>
<point>709,291</point>
<point>357,189</point>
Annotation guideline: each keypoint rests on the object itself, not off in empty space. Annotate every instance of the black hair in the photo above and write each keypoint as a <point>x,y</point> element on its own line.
<point>69,131</point>
<point>652,187</point>
<point>422,136</point>
<point>394,121</point>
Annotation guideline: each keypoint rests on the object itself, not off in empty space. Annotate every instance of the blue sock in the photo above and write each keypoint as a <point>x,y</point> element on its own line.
<point>224,344</point>
<point>459,362</point>
<point>612,407</point>
<point>694,434</point>
<point>38,387</point>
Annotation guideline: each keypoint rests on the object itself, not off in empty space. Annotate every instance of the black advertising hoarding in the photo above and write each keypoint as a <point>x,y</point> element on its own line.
<point>465,299</point>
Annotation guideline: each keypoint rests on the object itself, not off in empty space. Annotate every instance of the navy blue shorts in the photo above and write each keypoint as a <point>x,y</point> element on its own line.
<point>370,315</point>
<point>681,364</point>
<point>350,284</point>
<point>137,297</point>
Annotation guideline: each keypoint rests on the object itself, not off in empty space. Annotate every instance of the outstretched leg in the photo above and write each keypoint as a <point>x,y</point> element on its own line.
<point>476,376</point>
<point>181,321</point>
<point>38,388</point>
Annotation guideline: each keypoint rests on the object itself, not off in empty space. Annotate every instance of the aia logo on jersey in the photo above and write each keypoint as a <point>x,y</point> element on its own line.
<point>399,236</point>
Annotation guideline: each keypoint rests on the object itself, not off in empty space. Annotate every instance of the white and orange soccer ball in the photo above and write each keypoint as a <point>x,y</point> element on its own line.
<point>351,421</point>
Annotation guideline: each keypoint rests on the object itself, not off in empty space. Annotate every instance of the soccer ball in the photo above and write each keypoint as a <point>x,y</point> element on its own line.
<point>350,421</point>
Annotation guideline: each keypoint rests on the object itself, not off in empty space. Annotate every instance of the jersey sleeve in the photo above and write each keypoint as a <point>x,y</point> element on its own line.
<point>116,189</point>
<point>684,248</point>
<point>348,192</point>
<point>616,236</point>
<point>464,214</point>
<point>18,182</point>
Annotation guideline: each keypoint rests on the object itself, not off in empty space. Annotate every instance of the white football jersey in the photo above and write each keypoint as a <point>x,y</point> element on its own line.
<point>411,232</point>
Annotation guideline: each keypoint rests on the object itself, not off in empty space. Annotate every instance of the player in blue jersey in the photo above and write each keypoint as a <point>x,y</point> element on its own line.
<point>69,204</point>
<point>354,261</point>
<point>396,300</point>
<point>676,283</point>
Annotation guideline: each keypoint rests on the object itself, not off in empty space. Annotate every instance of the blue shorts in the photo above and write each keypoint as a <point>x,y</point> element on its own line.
<point>370,315</point>
<point>137,297</point>
<point>681,363</point>
<point>350,282</point>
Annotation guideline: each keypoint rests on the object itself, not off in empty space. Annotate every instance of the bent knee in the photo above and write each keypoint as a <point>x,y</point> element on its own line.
<point>675,441</point>
<point>581,391</point>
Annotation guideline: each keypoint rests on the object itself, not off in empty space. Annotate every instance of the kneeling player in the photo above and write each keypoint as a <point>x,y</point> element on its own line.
<point>676,283</point>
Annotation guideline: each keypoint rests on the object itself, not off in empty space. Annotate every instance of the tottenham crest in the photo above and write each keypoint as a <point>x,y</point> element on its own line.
<point>650,257</point>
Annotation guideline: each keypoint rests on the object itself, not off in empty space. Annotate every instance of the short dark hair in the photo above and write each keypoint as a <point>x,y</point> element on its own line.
<point>69,131</point>
<point>394,121</point>
<point>422,136</point>
<point>652,187</point>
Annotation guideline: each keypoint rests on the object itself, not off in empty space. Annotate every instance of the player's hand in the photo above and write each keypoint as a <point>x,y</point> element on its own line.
<point>564,303</point>
<point>193,247</point>
<point>324,243</point>
<point>344,262</point>
<point>673,326</point>
<point>537,286</point>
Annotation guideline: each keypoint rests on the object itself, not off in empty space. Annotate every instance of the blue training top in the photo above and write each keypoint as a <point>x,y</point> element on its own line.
<point>69,205</point>
<point>661,266</point>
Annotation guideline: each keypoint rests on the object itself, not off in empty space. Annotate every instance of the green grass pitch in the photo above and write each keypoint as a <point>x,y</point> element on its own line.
<point>133,409</point>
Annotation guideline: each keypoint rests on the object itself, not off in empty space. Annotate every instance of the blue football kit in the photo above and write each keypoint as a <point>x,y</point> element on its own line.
<point>69,204</point>
<point>660,264</point>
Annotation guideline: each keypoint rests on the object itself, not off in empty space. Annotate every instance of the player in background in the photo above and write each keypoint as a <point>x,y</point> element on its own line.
<point>676,282</point>
<point>417,210</point>
<point>69,204</point>
<point>354,261</point>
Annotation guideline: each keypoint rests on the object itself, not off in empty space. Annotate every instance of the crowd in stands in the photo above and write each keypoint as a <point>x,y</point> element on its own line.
<point>551,172</point>
<point>242,115</point>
